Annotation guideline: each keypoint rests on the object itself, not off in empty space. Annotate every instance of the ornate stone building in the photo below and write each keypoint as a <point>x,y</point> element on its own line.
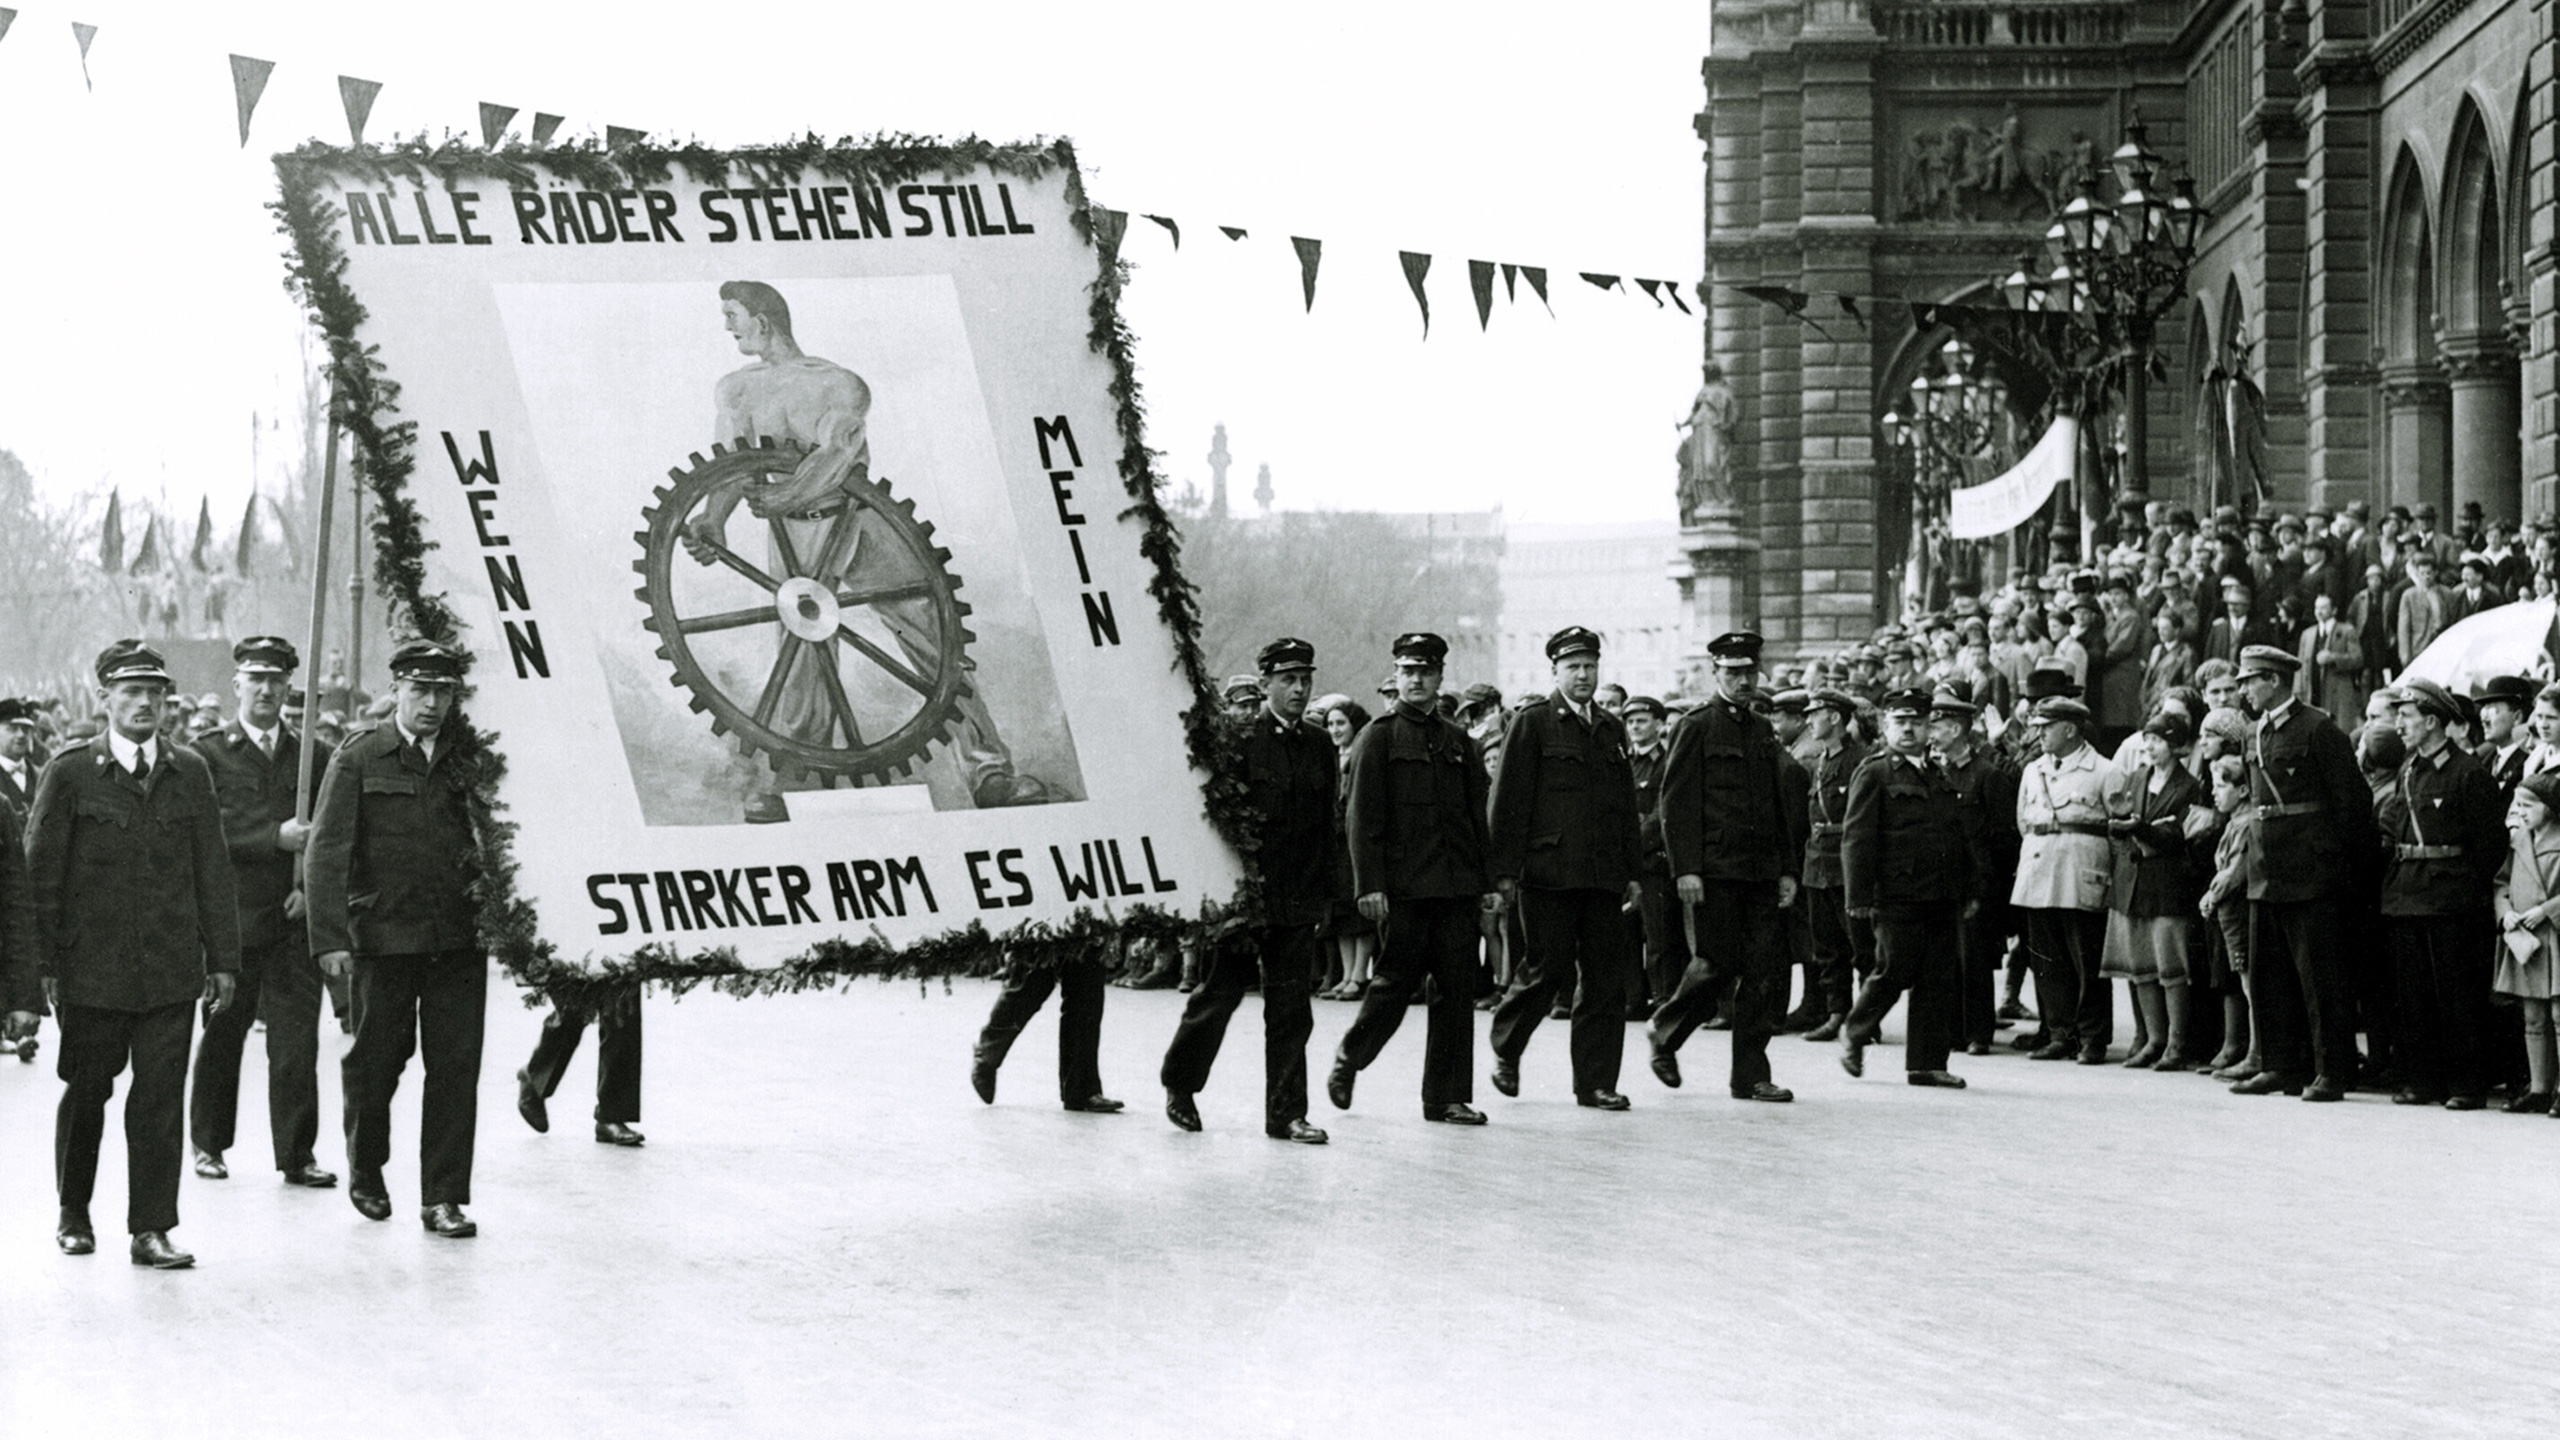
<point>2380,258</point>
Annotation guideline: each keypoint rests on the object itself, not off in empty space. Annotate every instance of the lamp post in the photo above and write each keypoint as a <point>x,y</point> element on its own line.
<point>1953,414</point>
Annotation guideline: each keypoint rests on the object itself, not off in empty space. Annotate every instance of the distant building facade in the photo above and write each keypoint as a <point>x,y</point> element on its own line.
<point>1611,578</point>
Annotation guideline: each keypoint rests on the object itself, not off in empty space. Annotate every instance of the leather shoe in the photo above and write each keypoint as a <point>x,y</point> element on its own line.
<point>1934,1079</point>
<point>1765,1091</point>
<point>1455,1113</point>
<point>2093,1055</point>
<point>1827,1031</point>
<point>151,1248</point>
<point>1179,1109</point>
<point>2459,1102</point>
<point>1297,1132</point>
<point>2055,1050</point>
<point>982,1078</point>
<point>1978,1047</point>
<point>2267,1082</point>
<point>2011,1010</point>
<point>1666,1065</point>
<point>2324,1091</point>
<point>1853,1056</point>
<point>310,1176</point>
<point>530,1104</point>
<point>448,1221</point>
<point>209,1165</point>
<point>1603,1100</point>
<point>2529,1103</point>
<point>2412,1095</point>
<point>1506,1076</point>
<point>614,1132</point>
<point>2029,1043</point>
<point>1800,1019</point>
<point>72,1235</point>
<point>365,1192</point>
<point>1096,1105</point>
<point>1337,1085</point>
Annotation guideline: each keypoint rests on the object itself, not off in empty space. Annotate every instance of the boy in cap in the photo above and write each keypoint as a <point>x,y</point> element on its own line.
<point>256,768</point>
<point>1841,946</point>
<point>134,923</point>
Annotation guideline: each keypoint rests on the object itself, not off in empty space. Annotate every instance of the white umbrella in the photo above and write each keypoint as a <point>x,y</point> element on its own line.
<point>2507,640</point>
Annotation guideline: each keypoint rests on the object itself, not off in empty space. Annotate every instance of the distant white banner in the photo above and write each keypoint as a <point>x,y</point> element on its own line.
<point>1978,512</point>
<point>2501,640</point>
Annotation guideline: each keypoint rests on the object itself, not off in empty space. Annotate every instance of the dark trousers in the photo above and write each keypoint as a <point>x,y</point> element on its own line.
<point>2443,964</point>
<point>1080,986</point>
<point>2373,988</point>
<point>96,1044</point>
<point>1427,939</point>
<point>1843,946</point>
<point>434,1006</point>
<point>2298,993</point>
<point>1577,942</point>
<point>617,1024</point>
<point>2073,999</point>
<point>1286,957</point>
<point>1982,943</point>
<point>1660,923</point>
<point>1917,953</point>
<point>280,983</point>
<point>1738,949</point>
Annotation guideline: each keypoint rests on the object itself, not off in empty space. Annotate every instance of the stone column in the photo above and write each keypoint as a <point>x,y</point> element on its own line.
<point>1715,580</point>
<point>2488,446</point>
<point>2416,412</point>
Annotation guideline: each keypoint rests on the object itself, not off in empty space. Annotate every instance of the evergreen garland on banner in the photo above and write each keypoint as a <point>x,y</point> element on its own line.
<point>365,403</point>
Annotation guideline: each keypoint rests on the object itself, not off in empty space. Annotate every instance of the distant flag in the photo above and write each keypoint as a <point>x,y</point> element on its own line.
<point>247,548</point>
<point>1605,282</point>
<point>1652,291</point>
<point>1169,228</point>
<point>1791,301</point>
<point>84,34</point>
<point>111,534</point>
<point>204,534</point>
<point>248,82</point>
<point>1232,232</point>
<point>1309,252</point>
<point>1417,265</point>
<point>1536,275</point>
<point>543,128</point>
<point>1110,227</point>
<point>357,95</point>
<point>494,120</point>
<point>1510,282</point>
<point>148,557</point>
<point>6,16</point>
<point>618,136</point>
<point>1849,307</point>
<point>1674,292</point>
<point>1480,280</point>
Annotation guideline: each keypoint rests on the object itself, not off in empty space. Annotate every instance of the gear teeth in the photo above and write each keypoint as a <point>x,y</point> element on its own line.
<point>719,727</point>
<point>968,636</point>
<point>961,606</point>
<point>642,595</point>
<point>640,567</point>
<point>662,650</point>
<point>696,458</point>
<point>698,705</point>
<point>942,555</point>
<point>764,443</point>
<point>718,449</point>
<point>642,535</point>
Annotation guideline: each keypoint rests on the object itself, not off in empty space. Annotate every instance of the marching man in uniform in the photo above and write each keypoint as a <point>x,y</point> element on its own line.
<point>1908,871</point>
<point>393,852</point>
<point>1566,849</point>
<point>133,924</point>
<point>1289,776</point>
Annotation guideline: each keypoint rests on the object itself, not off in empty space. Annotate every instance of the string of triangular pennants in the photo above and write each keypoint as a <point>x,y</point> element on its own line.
<point>249,76</point>
<point>1925,314</point>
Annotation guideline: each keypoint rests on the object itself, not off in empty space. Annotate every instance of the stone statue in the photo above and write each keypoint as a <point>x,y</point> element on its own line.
<point>1706,450</point>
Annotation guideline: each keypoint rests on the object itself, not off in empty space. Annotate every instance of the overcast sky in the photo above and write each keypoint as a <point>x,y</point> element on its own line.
<point>143,321</point>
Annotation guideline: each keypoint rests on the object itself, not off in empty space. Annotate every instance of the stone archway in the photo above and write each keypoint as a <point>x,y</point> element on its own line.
<point>2479,358</point>
<point>2417,441</point>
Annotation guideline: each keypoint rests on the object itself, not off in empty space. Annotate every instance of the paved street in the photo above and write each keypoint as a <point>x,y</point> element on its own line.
<point>828,1235</point>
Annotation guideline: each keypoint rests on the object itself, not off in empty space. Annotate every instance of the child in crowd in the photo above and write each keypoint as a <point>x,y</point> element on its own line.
<point>2528,907</point>
<point>2225,906</point>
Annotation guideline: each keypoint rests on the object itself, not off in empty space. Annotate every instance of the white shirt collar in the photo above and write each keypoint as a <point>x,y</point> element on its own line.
<point>426,747</point>
<point>1580,712</point>
<point>125,750</point>
<point>266,739</point>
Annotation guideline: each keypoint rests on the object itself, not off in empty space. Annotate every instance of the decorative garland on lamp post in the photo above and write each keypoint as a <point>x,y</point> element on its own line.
<point>364,400</point>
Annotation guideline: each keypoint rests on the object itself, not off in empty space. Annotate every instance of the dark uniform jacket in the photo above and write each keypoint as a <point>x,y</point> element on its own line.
<point>2447,837</point>
<point>1732,799</point>
<point>1647,771</point>
<point>393,851</point>
<point>1564,801</point>
<point>2155,869</point>
<point>20,989</point>
<point>1827,793</point>
<point>130,880</point>
<point>1289,776</point>
<point>1416,816</point>
<point>2315,812</point>
<point>15,797</point>
<point>256,796</point>
<point>1987,799</point>
<point>1903,842</point>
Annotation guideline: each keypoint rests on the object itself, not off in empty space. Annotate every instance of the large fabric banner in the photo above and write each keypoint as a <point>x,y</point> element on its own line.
<point>1998,506</point>
<point>785,524</point>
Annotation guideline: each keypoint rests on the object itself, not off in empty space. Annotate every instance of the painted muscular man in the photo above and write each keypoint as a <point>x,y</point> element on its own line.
<point>787,395</point>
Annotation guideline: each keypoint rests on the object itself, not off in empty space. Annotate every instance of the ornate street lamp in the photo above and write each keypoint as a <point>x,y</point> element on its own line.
<point>1952,414</point>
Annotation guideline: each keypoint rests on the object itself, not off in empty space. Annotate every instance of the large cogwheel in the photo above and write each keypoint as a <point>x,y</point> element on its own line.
<point>797,625</point>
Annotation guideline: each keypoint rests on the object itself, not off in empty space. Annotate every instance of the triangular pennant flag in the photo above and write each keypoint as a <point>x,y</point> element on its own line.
<point>1480,280</point>
<point>1417,265</point>
<point>494,120</point>
<point>1674,292</point>
<point>204,533</point>
<point>243,553</point>
<point>1652,291</point>
<point>1924,316</point>
<point>248,82</point>
<point>1510,282</point>
<point>148,557</point>
<point>618,136</point>
<point>84,34</point>
<point>1536,275</point>
<point>1170,229</point>
<point>111,534</point>
<point>1309,252</point>
<point>357,95</point>
<point>6,16</point>
<point>1791,301</point>
<point>1849,307</point>
<point>544,126</point>
<point>1232,232</point>
<point>1605,282</point>
<point>1109,228</point>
